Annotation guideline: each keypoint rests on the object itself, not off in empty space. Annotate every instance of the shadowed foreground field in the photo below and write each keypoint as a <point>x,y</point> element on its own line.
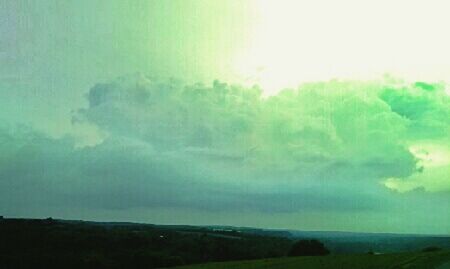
<point>50,243</point>
<point>364,261</point>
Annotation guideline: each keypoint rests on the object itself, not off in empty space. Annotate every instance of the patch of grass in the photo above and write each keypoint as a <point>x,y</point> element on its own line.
<point>363,261</point>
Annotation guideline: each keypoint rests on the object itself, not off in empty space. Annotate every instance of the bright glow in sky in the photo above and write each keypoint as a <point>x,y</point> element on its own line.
<point>431,155</point>
<point>296,41</point>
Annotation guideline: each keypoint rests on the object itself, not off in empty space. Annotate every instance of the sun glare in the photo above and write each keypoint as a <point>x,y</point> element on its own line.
<point>298,41</point>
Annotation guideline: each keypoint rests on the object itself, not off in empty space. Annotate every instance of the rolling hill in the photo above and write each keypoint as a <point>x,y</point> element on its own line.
<point>413,260</point>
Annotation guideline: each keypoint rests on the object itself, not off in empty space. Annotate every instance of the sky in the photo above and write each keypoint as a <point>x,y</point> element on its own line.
<point>309,115</point>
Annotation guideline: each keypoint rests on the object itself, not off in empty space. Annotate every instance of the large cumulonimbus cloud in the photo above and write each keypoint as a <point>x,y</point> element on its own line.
<point>372,128</point>
<point>330,146</point>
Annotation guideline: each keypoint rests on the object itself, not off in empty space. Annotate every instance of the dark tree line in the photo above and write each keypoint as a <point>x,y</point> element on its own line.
<point>55,244</point>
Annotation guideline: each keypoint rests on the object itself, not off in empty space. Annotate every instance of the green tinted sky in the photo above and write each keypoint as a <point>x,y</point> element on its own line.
<point>60,49</point>
<point>93,127</point>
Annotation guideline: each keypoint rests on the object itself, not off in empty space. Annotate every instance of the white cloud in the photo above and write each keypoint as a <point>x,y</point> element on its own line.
<point>218,148</point>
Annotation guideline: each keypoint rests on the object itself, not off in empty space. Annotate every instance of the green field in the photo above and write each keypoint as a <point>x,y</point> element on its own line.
<point>363,261</point>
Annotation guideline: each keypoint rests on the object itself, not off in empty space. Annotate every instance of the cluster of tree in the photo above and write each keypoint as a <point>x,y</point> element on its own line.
<point>431,249</point>
<point>310,247</point>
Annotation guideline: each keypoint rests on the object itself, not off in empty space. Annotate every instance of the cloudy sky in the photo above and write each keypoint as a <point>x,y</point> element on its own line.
<point>312,115</point>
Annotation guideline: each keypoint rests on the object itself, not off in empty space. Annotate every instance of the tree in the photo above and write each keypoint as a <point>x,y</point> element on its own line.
<point>431,249</point>
<point>308,248</point>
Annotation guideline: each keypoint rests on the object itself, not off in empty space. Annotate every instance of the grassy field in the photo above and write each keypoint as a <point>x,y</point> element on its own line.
<point>363,261</point>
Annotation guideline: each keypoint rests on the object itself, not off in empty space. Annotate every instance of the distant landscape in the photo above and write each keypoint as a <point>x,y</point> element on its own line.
<point>224,134</point>
<point>54,243</point>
